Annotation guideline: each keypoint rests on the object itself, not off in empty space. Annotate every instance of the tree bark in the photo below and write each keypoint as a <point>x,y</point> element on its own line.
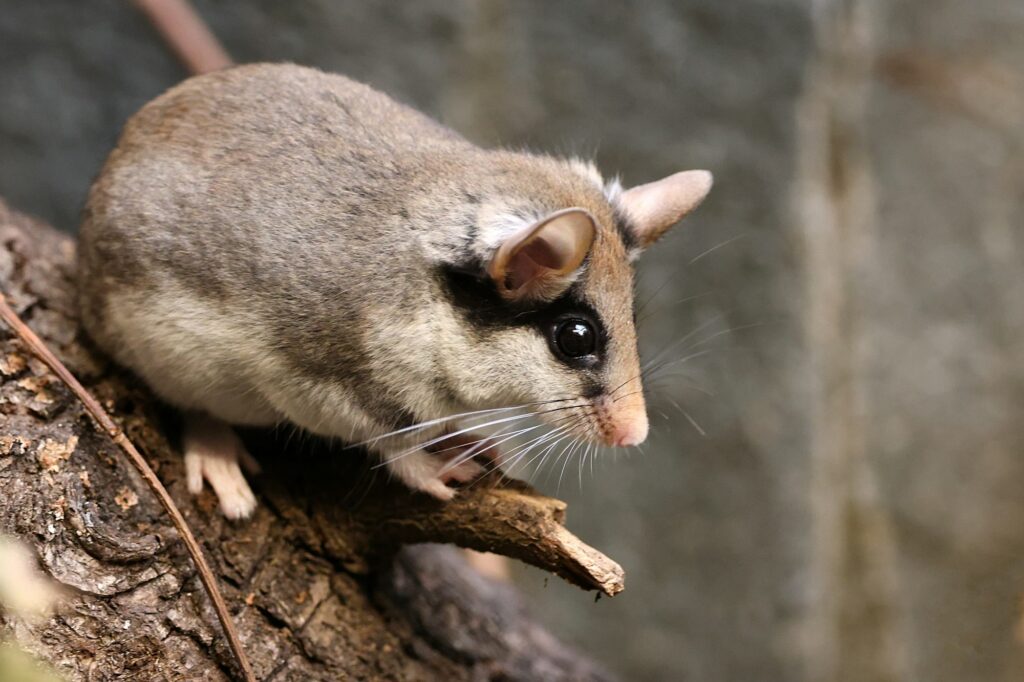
<point>323,582</point>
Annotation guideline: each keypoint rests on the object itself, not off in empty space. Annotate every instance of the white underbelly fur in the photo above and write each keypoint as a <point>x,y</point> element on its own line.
<point>198,356</point>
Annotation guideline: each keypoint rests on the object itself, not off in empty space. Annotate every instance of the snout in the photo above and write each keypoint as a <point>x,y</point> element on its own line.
<point>631,432</point>
<point>623,425</point>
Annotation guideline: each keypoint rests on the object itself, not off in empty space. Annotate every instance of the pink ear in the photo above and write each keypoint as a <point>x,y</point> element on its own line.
<point>659,205</point>
<point>540,261</point>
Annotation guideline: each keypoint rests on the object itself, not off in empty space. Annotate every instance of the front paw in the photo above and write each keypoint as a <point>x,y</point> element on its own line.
<point>436,473</point>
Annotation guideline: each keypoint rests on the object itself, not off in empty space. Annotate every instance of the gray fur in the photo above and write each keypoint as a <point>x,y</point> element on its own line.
<point>264,245</point>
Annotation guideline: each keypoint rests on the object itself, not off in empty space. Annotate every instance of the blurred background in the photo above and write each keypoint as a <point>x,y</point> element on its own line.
<point>835,489</point>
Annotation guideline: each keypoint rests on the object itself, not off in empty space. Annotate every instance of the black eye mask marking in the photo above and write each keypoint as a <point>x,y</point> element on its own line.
<point>477,299</point>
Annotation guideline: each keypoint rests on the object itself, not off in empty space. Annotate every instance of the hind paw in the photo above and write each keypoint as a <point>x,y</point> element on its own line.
<point>213,452</point>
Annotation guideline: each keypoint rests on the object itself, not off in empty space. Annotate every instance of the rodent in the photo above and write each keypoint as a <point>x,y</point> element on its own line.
<point>271,243</point>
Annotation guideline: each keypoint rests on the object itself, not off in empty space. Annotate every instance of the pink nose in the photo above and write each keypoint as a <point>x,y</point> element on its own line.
<point>630,433</point>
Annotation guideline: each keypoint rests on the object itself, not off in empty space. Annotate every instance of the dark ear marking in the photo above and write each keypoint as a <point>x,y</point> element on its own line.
<point>625,229</point>
<point>655,207</point>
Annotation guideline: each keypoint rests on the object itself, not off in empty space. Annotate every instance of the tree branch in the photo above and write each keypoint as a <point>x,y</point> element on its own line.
<point>322,582</point>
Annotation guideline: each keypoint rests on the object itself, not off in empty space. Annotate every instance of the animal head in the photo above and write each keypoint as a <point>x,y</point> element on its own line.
<point>547,296</point>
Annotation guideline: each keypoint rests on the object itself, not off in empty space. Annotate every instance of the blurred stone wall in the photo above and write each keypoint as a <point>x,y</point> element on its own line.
<point>855,510</point>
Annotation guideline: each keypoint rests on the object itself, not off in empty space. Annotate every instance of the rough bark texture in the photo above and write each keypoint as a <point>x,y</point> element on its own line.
<point>316,581</point>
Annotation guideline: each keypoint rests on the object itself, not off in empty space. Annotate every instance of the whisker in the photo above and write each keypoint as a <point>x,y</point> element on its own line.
<point>461,415</point>
<point>557,428</point>
<point>521,452</point>
<point>586,412</point>
<point>432,422</point>
<point>421,446</point>
<point>727,331</point>
<point>484,439</point>
<point>647,301</point>
<point>445,436</point>
<point>572,452</point>
<point>657,356</point>
<point>686,379</point>
<point>474,451</point>
<point>558,458</point>
<point>693,297</point>
<point>583,461</point>
<point>543,454</point>
<point>658,360</point>
<point>466,456</point>
<point>716,247</point>
<point>619,387</point>
<point>646,316</point>
<point>689,418</point>
<point>668,363</point>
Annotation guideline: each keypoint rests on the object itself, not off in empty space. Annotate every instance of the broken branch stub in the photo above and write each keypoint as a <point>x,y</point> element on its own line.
<point>498,515</point>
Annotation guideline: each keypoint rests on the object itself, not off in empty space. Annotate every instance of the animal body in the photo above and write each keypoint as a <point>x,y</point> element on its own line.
<point>274,244</point>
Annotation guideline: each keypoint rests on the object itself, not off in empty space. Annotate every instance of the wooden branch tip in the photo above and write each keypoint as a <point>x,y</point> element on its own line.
<point>505,517</point>
<point>542,540</point>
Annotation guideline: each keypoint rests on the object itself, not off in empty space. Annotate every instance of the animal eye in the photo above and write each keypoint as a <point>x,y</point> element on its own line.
<point>576,338</point>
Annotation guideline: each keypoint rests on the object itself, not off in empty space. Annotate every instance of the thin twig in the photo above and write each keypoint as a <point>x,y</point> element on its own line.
<point>187,34</point>
<point>38,346</point>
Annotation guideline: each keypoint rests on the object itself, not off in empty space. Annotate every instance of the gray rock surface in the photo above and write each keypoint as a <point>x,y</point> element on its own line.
<point>855,509</point>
